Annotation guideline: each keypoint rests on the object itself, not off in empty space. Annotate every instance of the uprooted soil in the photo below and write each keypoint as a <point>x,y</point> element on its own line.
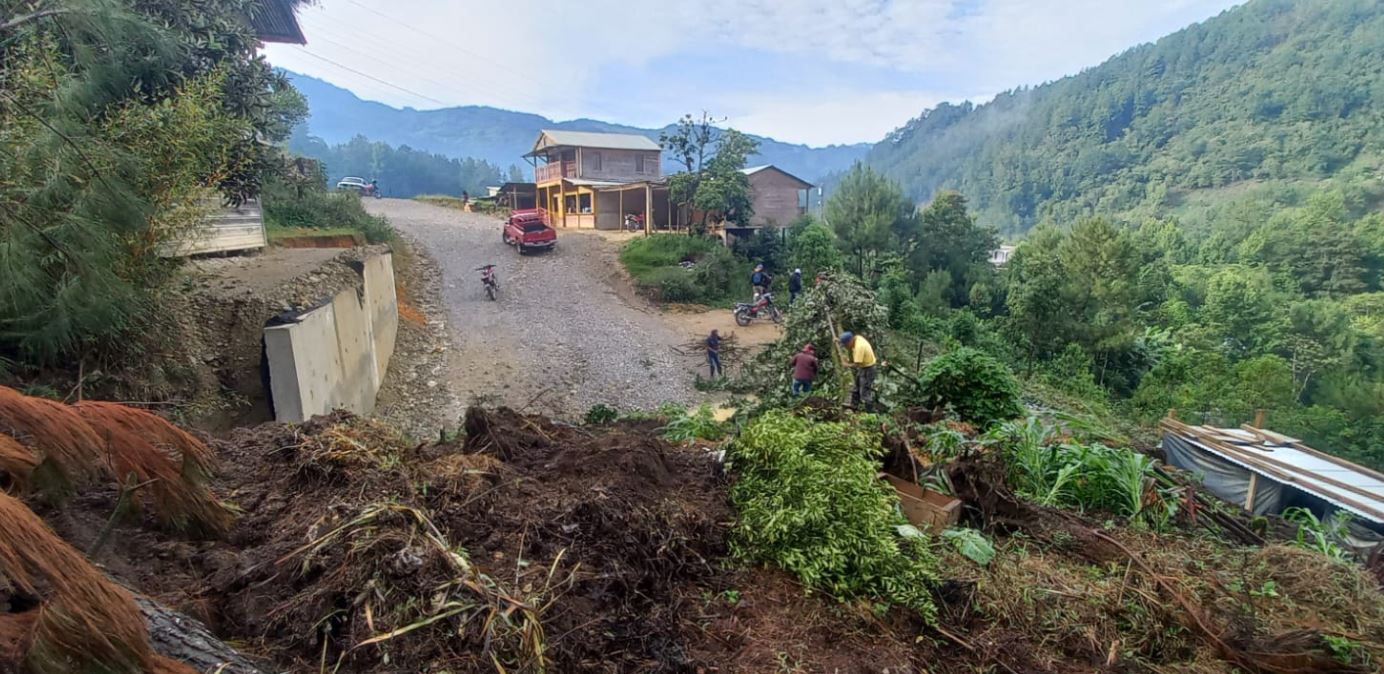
<point>612,537</point>
<point>524,542</point>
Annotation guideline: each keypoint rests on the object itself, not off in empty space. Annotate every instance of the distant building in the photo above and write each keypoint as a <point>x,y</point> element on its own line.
<point>1000,256</point>
<point>778,196</point>
<point>594,180</point>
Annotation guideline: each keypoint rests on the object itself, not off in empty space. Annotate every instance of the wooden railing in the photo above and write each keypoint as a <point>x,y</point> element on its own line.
<point>552,172</point>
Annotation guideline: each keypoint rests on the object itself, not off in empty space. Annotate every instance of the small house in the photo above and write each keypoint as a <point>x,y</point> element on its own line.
<point>594,180</point>
<point>240,227</point>
<point>777,196</point>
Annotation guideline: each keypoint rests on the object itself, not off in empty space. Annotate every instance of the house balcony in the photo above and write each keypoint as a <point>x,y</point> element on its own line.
<point>551,173</point>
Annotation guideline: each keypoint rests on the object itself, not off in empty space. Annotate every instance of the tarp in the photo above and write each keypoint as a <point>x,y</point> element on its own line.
<point>1223,478</point>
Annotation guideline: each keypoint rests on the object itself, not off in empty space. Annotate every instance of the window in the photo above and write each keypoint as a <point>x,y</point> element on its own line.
<point>639,163</point>
<point>594,161</point>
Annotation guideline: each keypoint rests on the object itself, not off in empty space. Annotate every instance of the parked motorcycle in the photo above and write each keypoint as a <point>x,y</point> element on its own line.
<point>760,308</point>
<point>492,284</point>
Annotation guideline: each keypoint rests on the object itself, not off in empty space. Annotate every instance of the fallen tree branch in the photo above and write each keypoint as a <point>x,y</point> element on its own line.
<point>180,637</point>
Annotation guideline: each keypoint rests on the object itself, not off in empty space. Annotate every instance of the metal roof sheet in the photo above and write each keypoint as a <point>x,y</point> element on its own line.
<point>275,21</point>
<point>605,141</point>
<point>749,171</point>
<point>1286,460</point>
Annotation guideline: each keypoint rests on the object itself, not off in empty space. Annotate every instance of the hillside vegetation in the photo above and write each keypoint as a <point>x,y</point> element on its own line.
<point>1262,103</point>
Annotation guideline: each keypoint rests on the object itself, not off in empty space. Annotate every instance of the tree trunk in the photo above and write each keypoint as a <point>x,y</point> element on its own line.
<point>181,638</point>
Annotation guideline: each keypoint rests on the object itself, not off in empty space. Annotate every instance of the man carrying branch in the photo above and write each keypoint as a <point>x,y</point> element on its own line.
<point>860,357</point>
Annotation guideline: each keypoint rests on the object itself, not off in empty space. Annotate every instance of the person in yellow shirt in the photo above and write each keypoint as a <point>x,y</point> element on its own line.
<point>860,357</point>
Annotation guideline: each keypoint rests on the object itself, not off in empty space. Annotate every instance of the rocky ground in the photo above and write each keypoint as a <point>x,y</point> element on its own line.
<point>417,395</point>
<point>565,333</point>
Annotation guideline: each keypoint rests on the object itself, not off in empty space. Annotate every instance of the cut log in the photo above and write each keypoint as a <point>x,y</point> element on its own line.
<point>182,638</point>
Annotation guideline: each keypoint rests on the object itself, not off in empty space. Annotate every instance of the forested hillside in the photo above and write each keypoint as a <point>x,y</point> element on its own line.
<point>1266,102</point>
<point>501,137</point>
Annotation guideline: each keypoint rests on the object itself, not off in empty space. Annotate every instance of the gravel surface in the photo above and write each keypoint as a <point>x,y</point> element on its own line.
<point>565,333</point>
<point>416,395</point>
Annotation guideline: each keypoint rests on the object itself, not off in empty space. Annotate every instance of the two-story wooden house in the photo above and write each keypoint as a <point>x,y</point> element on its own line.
<point>593,180</point>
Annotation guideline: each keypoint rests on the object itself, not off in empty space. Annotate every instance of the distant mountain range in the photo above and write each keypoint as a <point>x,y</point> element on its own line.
<point>501,137</point>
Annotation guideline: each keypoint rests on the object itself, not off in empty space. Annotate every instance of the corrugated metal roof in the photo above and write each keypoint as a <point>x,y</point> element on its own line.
<point>766,167</point>
<point>605,141</point>
<point>275,21</point>
<point>1286,460</point>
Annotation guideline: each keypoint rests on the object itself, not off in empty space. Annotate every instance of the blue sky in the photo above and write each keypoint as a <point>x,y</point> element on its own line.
<point>807,71</point>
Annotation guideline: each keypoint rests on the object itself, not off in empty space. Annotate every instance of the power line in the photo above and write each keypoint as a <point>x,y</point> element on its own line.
<point>368,76</point>
<point>465,84</point>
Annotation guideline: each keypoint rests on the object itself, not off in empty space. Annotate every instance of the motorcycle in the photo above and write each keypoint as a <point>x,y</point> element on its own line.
<point>633,222</point>
<point>764,306</point>
<point>492,285</point>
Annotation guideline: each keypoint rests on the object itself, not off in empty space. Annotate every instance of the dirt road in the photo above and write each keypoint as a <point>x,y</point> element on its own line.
<point>566,333</point>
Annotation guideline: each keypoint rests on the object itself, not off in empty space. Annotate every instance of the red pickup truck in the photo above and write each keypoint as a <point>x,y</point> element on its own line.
<point>529,229</point>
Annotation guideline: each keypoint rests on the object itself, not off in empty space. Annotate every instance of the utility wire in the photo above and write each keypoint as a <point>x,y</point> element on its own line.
<point>368,76</point>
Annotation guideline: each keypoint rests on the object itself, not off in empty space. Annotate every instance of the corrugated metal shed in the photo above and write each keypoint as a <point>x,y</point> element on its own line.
<point>1287,461</point>
<point>275,21</point>
<point>605,141</point>
<point>228,229</point>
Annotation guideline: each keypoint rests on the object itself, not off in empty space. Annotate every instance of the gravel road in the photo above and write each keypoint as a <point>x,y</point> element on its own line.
<point>565,333</point>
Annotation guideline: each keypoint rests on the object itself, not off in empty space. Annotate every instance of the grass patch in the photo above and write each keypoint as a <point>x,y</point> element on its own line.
<point>312,207</point>
<point>716,276</point>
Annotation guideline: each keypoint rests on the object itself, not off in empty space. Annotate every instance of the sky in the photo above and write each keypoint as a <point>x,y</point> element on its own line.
<point>806,71</point>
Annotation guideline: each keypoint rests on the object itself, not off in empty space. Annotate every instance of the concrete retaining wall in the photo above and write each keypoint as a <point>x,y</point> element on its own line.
<point>335,356</point>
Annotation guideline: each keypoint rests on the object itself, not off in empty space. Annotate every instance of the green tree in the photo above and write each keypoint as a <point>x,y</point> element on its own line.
<point>949,240</point>
<point>871,216</point>
<point>724,189</point>
<point>812,248</point>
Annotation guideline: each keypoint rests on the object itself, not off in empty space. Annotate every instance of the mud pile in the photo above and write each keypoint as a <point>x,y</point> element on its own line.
<point>525,543</point>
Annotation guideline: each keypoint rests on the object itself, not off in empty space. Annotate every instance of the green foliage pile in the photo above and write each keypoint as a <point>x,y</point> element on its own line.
<point>402,172</point>
<point>809,502</point>
<point>306,203</point>
<point>976,387</point>
<point>121,126</point>
<point>841,301</point>
<point>1272,93</point>
<point>1091,477</point>
<point>716,277</point>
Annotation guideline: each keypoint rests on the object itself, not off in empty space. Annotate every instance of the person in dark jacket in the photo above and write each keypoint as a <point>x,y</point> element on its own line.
<point>804,365</point>
<point>795,286</point>
<point>713,353</point>
<point>760,279</point>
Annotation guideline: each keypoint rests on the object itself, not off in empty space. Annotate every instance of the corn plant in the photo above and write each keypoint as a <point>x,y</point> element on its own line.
<point>1320,535</point>
<point>1078,475</point>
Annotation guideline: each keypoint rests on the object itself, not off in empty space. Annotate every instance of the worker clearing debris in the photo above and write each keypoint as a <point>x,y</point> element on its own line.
<point>804,364</point>
<point>860,358</point>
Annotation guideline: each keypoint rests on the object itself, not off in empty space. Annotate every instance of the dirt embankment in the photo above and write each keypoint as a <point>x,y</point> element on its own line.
<point>613,540</point>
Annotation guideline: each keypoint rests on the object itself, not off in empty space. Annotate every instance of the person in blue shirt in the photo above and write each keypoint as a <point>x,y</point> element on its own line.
<point>760,279</point>
<point>713,354</point>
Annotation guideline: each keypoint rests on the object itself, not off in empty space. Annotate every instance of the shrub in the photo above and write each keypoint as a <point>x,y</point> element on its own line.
<point>308,205</point>
<point>698,424</point>
<point>654,262</point>
<point>600,413</point>
<point>809,502</point>
<point>978,388</point>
